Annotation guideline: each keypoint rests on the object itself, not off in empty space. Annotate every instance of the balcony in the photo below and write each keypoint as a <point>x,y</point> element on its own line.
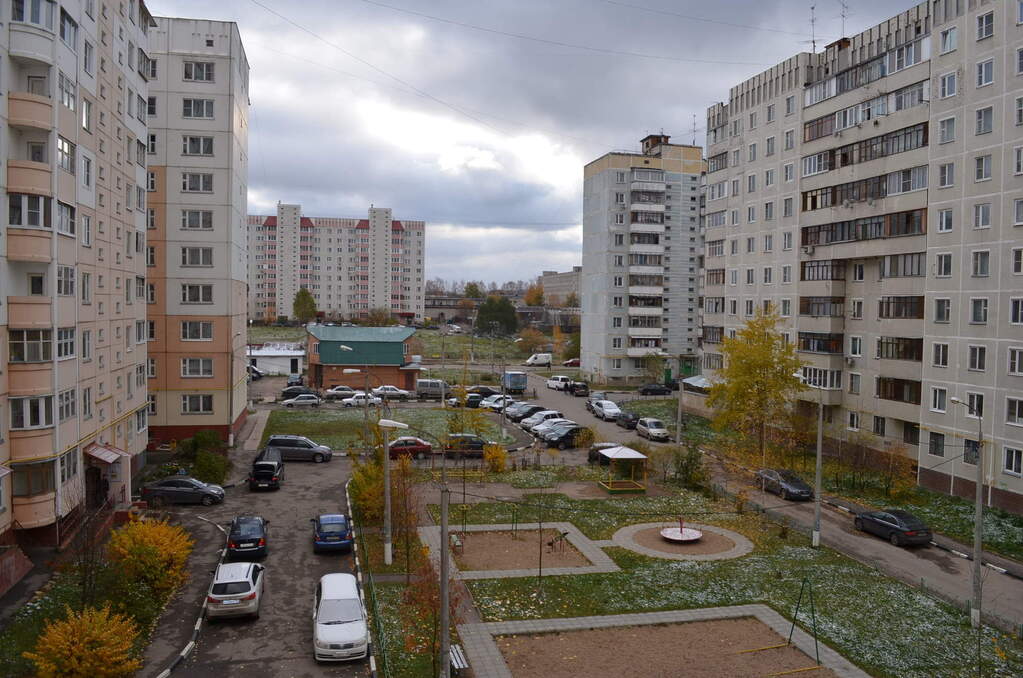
<point>647,207</point>
<point>713,335</point>
<point>28,312</point>
<point>645,332</point>
<point>646,269</point>
<point>819,342</point>
<point>646,289</point>
<point>654,186</point>
<point>29,110</point>
<point>641,352</point>
<point>31,42</point>
<point>646,310</point>
<point>29,244</point>
<point>637,227</point>
<point>25,176</point>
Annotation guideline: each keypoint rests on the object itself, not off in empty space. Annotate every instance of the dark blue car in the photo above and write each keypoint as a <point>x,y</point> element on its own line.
<point>331,532</point>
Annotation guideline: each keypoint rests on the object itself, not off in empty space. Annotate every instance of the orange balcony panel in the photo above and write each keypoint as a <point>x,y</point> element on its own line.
<point>25,176</point>
<point>30,445</point>
<point>29,110</point>
<point>25,379</point>
<point>35,511</point>
<point>28,244</point>
<point>28,312</point>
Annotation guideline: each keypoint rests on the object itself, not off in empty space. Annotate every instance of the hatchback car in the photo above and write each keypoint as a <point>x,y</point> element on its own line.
<point>654,389</point>
<point>416,448</point>
<point>299,448</point>
<point>627,420</point>
<point>360,399</point>
<point>898,527</point>
<point>784,483</point>
<point>182,490</point>
<point>339,392</point>
<point>606,410</point>
<point>266,475</point>
<point>304,400</point>
<point>388,392</point>
<point>236,591</point>
<point>571,362</point>
<point>567,437</point>
<point>467,445</point>
<point>652,429</point>
<point>472,401</point>
<point>246,537</point>
<point>331,532</point>
<point>294,380</point>
<point>340,632</point>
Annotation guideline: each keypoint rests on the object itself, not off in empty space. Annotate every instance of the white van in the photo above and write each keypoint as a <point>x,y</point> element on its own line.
<point>539,360</point>
<point>339,620</point>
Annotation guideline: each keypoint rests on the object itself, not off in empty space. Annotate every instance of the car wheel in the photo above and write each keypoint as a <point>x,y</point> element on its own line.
<point>562,446</point>
<point>858,524</point>
<point>784,494</point>
<point>317,457</point>
<point>288,405</point>
<point>895,538</point>
<point>256,615</point>
<point>158,501</point>
<point>206,500</point>
<point>316,404</point>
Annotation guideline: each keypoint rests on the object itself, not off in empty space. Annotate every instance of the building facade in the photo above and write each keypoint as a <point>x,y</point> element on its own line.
<point>871,194</point>
<point>641,244</point>
<point>558,288</point>
<point>73,422</point>
<point>197,150</point>
<point>350,266</point>
<point>361,357</point>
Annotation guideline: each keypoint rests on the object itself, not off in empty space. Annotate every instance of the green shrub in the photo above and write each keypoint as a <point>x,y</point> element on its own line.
<point>187,448</point>
<point>208,440</point>
<point>210,467</point>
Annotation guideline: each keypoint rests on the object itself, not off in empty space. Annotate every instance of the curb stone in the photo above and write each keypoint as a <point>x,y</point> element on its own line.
<point>370,652</point>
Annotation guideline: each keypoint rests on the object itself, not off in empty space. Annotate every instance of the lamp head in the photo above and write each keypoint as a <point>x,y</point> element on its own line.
<point>390,423</point>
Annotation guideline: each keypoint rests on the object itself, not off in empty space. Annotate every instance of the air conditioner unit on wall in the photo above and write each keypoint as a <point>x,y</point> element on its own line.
<point>850,361</point>
<point>808,249</point>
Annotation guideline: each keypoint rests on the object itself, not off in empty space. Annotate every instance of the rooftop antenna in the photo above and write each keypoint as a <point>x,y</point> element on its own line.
<point>813,28</point>
<point>845,13</point>
<point>694,129</point>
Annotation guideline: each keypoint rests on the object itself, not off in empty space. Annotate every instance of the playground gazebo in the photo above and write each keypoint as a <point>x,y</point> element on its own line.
<point>626,461</point>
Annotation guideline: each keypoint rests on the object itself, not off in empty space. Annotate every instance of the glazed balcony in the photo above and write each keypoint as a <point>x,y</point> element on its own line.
<point>29,110</point>
<point>29,244</point>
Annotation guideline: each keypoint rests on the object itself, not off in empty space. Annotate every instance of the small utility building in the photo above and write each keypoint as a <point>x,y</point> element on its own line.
<point>380,352</point>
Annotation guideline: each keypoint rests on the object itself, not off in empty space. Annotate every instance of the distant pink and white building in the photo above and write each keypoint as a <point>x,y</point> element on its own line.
<point>349,265</point>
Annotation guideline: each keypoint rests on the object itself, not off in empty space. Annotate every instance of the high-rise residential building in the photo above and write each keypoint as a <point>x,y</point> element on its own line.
<point>351,266</point>
<point>72,262</point>
<point>641,244</point>
<point>871,193</point>
<point>197,150</point>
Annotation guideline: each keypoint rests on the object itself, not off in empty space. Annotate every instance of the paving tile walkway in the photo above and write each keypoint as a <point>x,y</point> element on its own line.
<point>625,538</point>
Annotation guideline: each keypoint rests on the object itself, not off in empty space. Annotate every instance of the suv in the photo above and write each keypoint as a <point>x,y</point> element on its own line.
<point>267,470</point>
<point>237,591</point>
<point>467,445</point>
<point>558,382</point>
<point>299,447</point>
<point>577,388</point>
<point>653,429</point>
<point>432,389</point>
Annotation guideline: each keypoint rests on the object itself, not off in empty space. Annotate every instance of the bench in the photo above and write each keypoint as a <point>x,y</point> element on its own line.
<point>458,661</point>
<point>456,542</point>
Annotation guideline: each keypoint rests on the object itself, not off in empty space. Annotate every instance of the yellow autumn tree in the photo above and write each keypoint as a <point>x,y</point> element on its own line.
<point>93,643</point>
<point>153,552</point>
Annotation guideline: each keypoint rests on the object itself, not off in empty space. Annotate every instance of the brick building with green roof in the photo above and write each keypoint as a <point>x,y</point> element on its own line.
<point>381,352</point>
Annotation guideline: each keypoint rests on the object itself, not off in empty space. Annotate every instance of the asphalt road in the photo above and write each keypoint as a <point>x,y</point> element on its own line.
<point>279,643</point>
<point>941,572</point>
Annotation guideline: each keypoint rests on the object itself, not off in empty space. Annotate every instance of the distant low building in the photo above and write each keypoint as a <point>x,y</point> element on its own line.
<point>381,352</point>
<point>558,287</point>
<point>279,358</point>
<point>449,308</point>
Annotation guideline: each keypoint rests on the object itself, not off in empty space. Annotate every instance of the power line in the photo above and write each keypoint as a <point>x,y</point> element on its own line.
<point>701,19</point>
<point>558,43</point>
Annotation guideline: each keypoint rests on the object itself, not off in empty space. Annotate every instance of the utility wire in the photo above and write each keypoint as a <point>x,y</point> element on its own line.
<point>558,43</point>
<point>665,12</point>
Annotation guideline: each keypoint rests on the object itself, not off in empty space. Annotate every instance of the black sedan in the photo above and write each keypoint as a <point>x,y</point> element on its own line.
<point>786,484</point>
<point>654,389</point>
<point>182,490</point>
<point>568,437</point>
<point>247,537</point>
<point>627,420</point>
<point>898,527</point>
<point>292,391</point>
<point>484,390</point>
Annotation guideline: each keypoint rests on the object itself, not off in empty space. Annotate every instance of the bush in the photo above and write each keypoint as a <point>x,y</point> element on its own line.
<point>152,552</point>
<point>496,458</point>
<point>210,467</point>
<point>95,643</point>
<point>208,440</point>
<point>187,448</point>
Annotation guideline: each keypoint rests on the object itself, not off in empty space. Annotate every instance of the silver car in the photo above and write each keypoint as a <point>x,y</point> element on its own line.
<point>652,429</point>
<point>304,400</point>
<point>237,591</point>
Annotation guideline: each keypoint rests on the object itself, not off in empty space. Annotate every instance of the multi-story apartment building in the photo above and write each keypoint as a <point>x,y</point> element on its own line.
<point>559,287</point>
<point>72,261</point>
<point>871,193</point>
<point>349,265</point>
<point>197,150</point>
<point>641,243</point>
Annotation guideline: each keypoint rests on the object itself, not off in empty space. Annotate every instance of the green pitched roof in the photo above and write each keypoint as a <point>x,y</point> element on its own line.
<point>394,333</point>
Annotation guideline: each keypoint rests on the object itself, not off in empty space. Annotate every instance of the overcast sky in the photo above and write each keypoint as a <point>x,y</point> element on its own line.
<point>484,135</point>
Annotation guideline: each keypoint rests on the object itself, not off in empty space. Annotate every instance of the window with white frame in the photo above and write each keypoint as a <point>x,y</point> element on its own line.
<point>67,406</point>
<point>942,310</point>
<point>949,40</point>
<point>854,421</point>
<point>978,310</point>
<point>196,294</point>
<point>31,412</point>
<point>66,155</point>
<point>947,85</point>
<point>197,403</point>
<point>945,220</point>
<point>1013,461</point>
<point>981,264</point>
<point>197,367</point>
<point>985,25</point>
<point>985,72</point>
<point>196,256</point>
<point>66,281</point>
<point>946,130</point>
<point>939,355</point>
<point>975,402</point>
<point>985,120</point>
<point>65,343</point>
<point>197,108</point>
<point>1016,311</point>
<point>197,182</point>
<point>939,399</point>
<point>199,71</point>
<point>982,215</point>
<point>196,330</point>
<point>982,168</point>
<point>946,174</point>
<point>30,346</point>
<point>977,356</point>
<point>1016,360</point>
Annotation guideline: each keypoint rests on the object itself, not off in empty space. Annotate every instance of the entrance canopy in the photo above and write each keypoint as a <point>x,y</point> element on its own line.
<point>105,453</point>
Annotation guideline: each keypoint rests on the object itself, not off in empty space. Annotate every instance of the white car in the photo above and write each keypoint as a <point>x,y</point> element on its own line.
<point>304,400</point>
<point>497,403</point>
<point>529,422</point>
<point>340,632</point>
<point>606,410</point>
<point>390,393</point>
<point>558,382</point>
<point>548,424</point>
<point>236,591</point>
<point>339,392</point>
<point>361,399</point>
<point>653,429</point>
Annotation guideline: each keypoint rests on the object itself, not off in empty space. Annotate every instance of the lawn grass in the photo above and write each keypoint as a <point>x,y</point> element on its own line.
<point>457,346</point>
<point>259,334</point>
<point>390,636</point>
<point>343,428</point>
<point>886,627</point>
<point>373,545</point>
<point>666,409</point>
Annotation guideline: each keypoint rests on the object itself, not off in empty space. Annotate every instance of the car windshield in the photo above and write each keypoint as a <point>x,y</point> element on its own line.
<point>790,476</point>
<point>342,611</point>
<point>247,528</point>
<point>607,404</point>
<point>332,528</point>
<point>654,423</point>
<point>227,588</point>
<point>911,522</point>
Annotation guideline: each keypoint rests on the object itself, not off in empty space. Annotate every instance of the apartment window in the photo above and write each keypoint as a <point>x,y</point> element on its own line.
<point>620,177</point>
<point>197,367</point>
<point>786,210</point>
<point>752,152</point>
<point>199,71</point>
<point>197,108</point>
<point>949,40</point>
<point>768,212</point>
<point>856,309</point>
<point>1013,461</point>
<point>66,405</point>
<point>751,214</point>
<point>197,220</point>
<point>856,346</point>
<point>196,294</point>
<point>151,404</point>
<point>750,276</point>
<point>197,404</point>
<point>36,284</point>
<point>976,405</point>
<point>789,172</point>
<point>939,399</point>
<point>66,281</point>
<point>947,85</point>
<point>86,345</point>
<point>86,288</point>
<point>769,146</point>
<point>936,444</point>
<point>151,145</point>
<point>68,30</point>
<point>197,256</point>
<point>879,426</point>
<point>768,275</point>
<point>87,402</point>
<point>985,25</point>
<point>1016,361</point>
<point>196,145</point>
<point>942,310</point>
<point>33,412</point>
<point>769,177</point>
<point>786,273</point>
<point>1016,311</point>
<point>857,272</point>
<point>619,281</point>
<point>196,182</point>
<point>978,311</point>
<point>1016,257</point>
<point>939,355</point>
<point>945,221</point>
<point>195,330</point>
<point>985,119</point>
<point>1017,207</point>
<point>30,346</point>
<point>1017,160</point>
<point>790,105</point>
<point>616,321</point>
<point>786,308</point>
<point>150,255</point>
<point>616,342</point>
<point>983,168</point>
<point>946,130</point>
<point>946,174</point>
<point>66,155</point>
<point>854,421</point>
<point>981,264</point>
<point>616,363</point>
<point>982,215</point>
<point>854,383</point>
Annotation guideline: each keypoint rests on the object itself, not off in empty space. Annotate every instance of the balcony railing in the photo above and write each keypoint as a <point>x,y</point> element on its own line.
<point>895,225</point>
<point>822,307</point>
<point>900,348</point>
<point>713,335</point>
<point>901,307</point>
<point>817,342</point>
<point>899,390</point>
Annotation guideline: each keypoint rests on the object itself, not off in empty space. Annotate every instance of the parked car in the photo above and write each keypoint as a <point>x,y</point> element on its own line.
<point>606,410</point>
<point>654,389</point>
<point>784,483</point>
<point>267,472</point>
<point>594,397</point>
<point>535,418</point>
<point>567,437</point>
<point>304,400</point>
<point>182,490</point>
<point>897,526</point>
<point>246,537</point>
<point>472,400</point>
<point>410,446</point>
<point>339,392</point>
<point>652,429</point>
<point>292,391</point>
<point>571,362</point>
<point>594,455</point>
<point>453,329</point>
<point>484,390</point>
<point>524,412</point>
<point>294,380</point>
<point>236,591</point>
<point>539,360</point>
<point>340,632</point>
<point>546,425</point>
<point>496,403</point>
<point>298,448</point>
<point>552,428</point>
<point>331,532</point>
<point>361,399</point>
<point>577,388</point>
<point>468,445</point>
<point>388,392</point>
<point>432,389</point>
<point>558,382</point>
<point>255,372</point>
<point>627,420</point>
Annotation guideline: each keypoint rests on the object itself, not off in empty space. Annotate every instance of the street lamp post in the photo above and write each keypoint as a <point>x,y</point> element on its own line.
<point>386,424</point>
<point>365,393</point>
<point>818,470</point>
<point>978,515</point>
<point>230,392</point>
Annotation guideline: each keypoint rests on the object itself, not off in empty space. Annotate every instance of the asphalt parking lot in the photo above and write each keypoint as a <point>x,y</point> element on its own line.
<point>279,643</point>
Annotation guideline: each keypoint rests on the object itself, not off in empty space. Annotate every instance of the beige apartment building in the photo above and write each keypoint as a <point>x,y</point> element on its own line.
<point>349,265</point>
<point>73,423</point>
<point>559,287</point>
<point>872,193</point>
<point>197,146</point>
